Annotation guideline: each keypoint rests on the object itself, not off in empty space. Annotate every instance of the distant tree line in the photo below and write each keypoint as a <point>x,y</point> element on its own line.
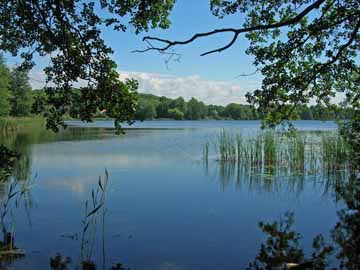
<point>153,107</point>
<point>18,99</point>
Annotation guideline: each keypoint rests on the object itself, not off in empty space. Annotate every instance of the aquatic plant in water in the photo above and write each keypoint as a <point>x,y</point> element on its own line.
<point>94,208</point>
<point>270,159</point>
<point>283,153</point>
<point>15,193</point>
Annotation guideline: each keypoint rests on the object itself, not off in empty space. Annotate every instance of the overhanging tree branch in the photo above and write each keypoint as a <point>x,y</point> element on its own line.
<point>236,32</point>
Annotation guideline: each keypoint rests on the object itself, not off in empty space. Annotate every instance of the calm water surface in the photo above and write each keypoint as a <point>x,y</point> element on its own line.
<point>166,210</point>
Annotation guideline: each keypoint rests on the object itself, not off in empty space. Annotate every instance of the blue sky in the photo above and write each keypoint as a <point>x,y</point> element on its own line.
<point>211,78</point>
<point>186,19</point>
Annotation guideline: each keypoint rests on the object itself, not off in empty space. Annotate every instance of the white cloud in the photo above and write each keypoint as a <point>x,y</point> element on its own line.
<point>37,78</point>
<point>208,91</point>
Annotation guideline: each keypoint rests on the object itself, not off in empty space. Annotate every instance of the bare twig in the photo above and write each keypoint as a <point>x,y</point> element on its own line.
<point>247,74</point>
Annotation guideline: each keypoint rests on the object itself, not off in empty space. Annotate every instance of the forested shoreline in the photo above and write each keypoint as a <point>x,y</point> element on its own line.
<point>155,107</point>
<point>17,99</point>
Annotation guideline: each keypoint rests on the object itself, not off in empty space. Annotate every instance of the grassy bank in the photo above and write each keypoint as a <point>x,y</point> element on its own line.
<point>11,124</point>
<point>16,136</point>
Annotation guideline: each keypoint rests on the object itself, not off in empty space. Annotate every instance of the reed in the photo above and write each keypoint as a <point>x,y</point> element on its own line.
<point>296,152</point>
<point>94,208</point>
<point>206,152</point>
<point>270,145</point>
<point>15,194</point>
<point>15,124</point>
<point>226,147</point>
<point>335,152</point>
<point>281,153</point>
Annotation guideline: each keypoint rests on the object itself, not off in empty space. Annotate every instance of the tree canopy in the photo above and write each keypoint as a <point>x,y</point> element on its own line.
<point>21,96</point>
<point>69,34</point>
<point>305,49</point>
<point>4,88</point>
<point>16,97</point>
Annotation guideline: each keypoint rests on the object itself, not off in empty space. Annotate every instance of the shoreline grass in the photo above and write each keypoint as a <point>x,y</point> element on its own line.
<point>13,124</point>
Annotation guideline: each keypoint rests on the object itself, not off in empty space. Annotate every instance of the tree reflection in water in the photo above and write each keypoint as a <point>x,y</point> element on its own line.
<point>60,262</point>
<point>346,233</point>
<point>282,250</point>
<point>7,162</point>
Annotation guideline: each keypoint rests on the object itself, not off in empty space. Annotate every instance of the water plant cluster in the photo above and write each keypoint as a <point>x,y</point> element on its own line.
<point>281,153</point>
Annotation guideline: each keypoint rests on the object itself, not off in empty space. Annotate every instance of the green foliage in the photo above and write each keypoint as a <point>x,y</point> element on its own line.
<point>4,88</point>
<point>305,51</point>
<point>179,104</point>
<point>151,107</point>
<point>39,101</point>
<point>196,109</point>
<point>21,99</point>
<point>239,112</point>
<point>350,130</point>
<point>176,114</point>
<point>163,107</point>
<point>145,110</point>
<point>177,108</point>
<point>215,112</point>
<point>69,33</point>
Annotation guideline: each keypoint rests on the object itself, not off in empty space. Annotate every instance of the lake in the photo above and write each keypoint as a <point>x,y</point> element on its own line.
<point>166,209</point>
